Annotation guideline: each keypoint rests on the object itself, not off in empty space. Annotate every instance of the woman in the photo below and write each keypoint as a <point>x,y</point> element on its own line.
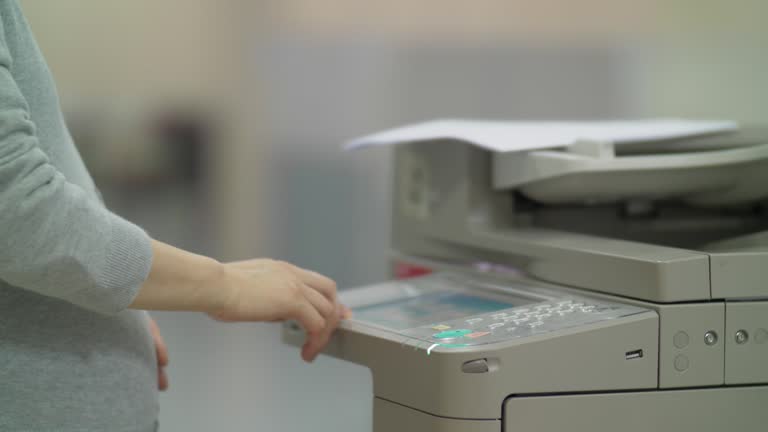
<point>77,350</point>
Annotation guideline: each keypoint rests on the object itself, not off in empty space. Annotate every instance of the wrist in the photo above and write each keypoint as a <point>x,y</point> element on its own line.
<point>181,280</point>
<point>210,285</point>
<point>225,289</point>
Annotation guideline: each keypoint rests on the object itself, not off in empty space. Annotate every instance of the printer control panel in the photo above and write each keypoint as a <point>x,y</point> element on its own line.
<point>455,310</point>
<point>519,322</point>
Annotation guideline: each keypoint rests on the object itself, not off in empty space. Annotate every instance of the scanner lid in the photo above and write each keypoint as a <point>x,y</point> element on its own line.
<point>704,163</point>
<point>521,136</point>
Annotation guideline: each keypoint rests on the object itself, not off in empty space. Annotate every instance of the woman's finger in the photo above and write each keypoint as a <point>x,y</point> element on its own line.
<point>162,379</point>
<point>322,304</point>
<point>325,286</point>
<point>346,313</point>
<point>315,345</point>
<point>309,318</point>
<point>161,348</point>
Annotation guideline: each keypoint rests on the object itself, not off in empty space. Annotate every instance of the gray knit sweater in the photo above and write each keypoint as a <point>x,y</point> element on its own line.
<point>72,358</point>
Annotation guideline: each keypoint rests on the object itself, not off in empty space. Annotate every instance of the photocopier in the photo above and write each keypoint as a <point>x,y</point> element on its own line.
<point>602,285</point>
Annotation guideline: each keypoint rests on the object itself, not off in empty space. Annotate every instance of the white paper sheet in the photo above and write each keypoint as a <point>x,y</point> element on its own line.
<point>502,136</point>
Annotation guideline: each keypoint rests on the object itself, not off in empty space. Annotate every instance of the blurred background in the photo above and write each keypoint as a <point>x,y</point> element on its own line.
<point>217,127</point>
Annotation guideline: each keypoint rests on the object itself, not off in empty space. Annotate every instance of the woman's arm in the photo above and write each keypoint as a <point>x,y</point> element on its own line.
<point>59,241</point>
<point>254,290</point>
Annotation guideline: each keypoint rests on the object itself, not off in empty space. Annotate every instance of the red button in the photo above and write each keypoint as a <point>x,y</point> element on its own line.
<point>477,334</point>
<point>404,270</point>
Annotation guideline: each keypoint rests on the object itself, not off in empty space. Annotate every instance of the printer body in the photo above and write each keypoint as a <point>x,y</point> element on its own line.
<point>596,287</point>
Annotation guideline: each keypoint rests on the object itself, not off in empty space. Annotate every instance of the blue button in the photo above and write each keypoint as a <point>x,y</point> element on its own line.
<point>451,334</point>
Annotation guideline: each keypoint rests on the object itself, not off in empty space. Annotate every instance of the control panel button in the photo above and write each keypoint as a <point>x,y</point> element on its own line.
<point>681,339</point>
<point>451,334</point>
<point>761,336</point>
<point>681,363</point>
<point>478,334</point>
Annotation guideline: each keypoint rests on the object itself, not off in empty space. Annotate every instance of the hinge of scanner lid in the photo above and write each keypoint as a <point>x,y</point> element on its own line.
<point>595,149</point>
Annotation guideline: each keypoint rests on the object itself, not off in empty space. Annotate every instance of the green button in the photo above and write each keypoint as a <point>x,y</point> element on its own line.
<point>451,334</point>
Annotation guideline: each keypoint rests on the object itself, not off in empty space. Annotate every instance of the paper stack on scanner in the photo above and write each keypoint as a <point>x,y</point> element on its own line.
<point>509,136</point>
<point>701,162</point>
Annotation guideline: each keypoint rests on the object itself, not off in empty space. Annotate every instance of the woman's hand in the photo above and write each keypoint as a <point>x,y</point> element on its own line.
<point>253,290</point>
<point>268,290</point>
<point>161,352</point>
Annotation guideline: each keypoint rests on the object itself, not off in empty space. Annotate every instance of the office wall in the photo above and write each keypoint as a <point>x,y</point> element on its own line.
<point>120,65</point>
<point>707,60</point>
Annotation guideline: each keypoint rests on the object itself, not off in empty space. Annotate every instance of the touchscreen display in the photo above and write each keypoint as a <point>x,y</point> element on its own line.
<point>429,308</point>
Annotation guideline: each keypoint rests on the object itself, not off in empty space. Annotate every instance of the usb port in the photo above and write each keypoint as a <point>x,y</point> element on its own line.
<point>636,354</point>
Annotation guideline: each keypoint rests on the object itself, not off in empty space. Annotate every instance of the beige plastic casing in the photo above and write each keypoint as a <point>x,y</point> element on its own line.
<point>445,208</point>
<point>589,357</point>
<point>739,409</point>
<point>452,204</point>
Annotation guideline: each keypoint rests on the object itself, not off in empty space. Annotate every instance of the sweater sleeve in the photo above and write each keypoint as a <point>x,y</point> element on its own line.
<point>56,239</point>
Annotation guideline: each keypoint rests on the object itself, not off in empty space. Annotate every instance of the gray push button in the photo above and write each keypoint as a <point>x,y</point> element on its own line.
<point>681,339</point>
<point>681,363</point>
<point>475,366</point>
<point>761,336</point>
